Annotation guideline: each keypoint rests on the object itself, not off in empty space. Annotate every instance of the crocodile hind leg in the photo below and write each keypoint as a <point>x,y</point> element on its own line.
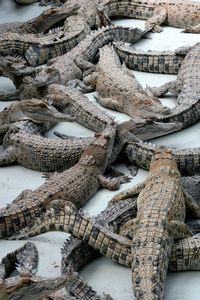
<point>8,156</point>
<point>133,191</point>
<point>159,17</point>
<point>193,206</point>
<point>174,87</point>
<point>178,229</point>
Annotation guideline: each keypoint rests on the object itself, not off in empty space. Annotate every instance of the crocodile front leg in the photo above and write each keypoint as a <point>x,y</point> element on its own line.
<point>80,85</point>
<point>109,103</point>
<point>174,87</point>
<point>83,64</point>
<point>159,17</point>
<point>113,184</point>
<point>8,156</point>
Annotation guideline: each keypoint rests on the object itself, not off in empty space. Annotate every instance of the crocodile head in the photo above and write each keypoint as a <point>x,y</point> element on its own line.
<point>45,76</point>
<point>55,14</point>
<point>149,106</point>
<point>146,129</point>
<point>35,110</point>
<point>100,149</point>
<point>163,161</point>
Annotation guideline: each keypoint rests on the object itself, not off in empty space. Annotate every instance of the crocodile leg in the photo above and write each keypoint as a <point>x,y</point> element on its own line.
<point>178,229</point>
<point>77,83</point>
<point>112,184</point>
<point>83,64</point>
<point>109,103</point>
<point>127,193</point>
<point>159,17</point>
<point>8,156</point>
<point>173,87</point>
<point>193,206</point>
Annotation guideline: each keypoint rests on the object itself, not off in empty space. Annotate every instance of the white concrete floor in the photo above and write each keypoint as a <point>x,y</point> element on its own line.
<point>102,274</point>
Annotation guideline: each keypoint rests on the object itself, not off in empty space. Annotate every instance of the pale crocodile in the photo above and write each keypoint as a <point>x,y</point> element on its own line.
<point>118,89</point>
<point>119,248</point>
<point>167,62</point>
<point>174,13</point>
<point>77,184</point>
<point>40,24</point>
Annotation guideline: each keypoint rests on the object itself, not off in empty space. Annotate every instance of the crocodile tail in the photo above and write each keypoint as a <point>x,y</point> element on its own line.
<point>149,266</point>
<point>33,54</point>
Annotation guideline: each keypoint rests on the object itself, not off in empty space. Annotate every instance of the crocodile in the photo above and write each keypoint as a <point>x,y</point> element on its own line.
<point>118,89</point>
<point>24,259</point>
<point>43,154</point>
<point>186,86</point>
<point>77,184</point>
<point>97,119</point>
<point>32,116</point>
<point>40,24</point>
<point>184,254</point>
<point>27,285</point>
<point>174,13</point>
<point>167,62</point>
<point>141,154</point>
<point>86,50</point>
<point>119,248</point>
<point>76,252</point>
<point>63,68</point>
<point>161,210</point>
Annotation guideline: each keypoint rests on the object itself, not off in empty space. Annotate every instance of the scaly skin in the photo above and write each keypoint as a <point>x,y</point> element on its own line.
<point>33,288</point>
<point>184,255</point>
<point>87,49</point>
<point>173,13</point>
<point>160,220</point>
<point>141,154</point>
<point>41,23</point>
<point>119,90</point>
<point>36,152</point>
<point>24,258</point>
<point>77,253</point>
<point>151,284</point>
<point>26,285</point>
<point>187,111</point>
<point>64,68</point>
<point>167,62</point>
<point>31,116</point>
<point>76,184</point>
